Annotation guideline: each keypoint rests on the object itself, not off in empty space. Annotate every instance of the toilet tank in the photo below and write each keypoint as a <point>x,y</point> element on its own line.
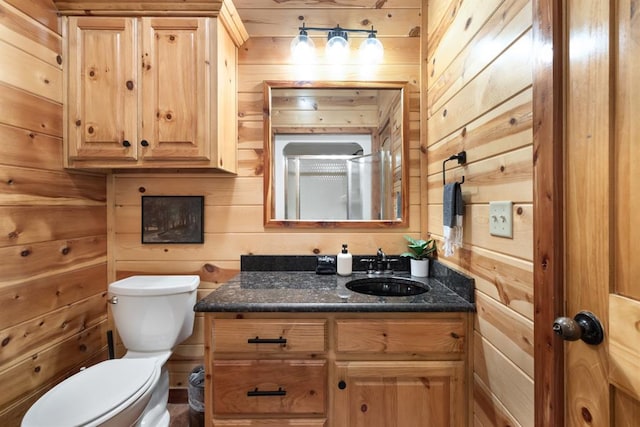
<point>153,313</point>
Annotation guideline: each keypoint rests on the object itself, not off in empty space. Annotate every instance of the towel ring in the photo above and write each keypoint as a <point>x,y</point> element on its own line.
<point>461,157</point>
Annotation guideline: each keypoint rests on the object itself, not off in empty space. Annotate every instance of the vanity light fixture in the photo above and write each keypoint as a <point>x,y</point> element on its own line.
<point>337,48</point>
<point>302,47</point>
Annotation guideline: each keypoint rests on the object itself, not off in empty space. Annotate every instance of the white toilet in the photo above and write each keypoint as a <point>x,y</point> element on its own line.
<point>152,314</point>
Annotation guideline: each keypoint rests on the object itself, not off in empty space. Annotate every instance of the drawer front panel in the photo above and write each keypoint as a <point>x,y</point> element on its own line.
<point>266,336</point>
<point>255,387</point>
<point>296,422</point>
<point>401,336</point>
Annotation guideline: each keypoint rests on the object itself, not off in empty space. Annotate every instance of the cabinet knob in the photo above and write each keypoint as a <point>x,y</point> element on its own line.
<point>126,143</point>
<point>342,385</point>
<point>144,143</point>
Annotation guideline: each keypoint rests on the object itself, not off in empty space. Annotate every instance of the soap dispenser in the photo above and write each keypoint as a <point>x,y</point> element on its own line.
<point>344,261</point>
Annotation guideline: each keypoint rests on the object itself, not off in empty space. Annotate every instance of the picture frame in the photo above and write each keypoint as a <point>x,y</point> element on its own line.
<point>172,219</point>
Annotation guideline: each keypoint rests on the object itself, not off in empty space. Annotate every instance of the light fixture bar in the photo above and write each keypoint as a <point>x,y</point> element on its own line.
<point>338,28</point>
<point>302,46</point>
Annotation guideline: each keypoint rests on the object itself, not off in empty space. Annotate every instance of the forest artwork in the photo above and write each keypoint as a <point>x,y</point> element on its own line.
<point>172,219</point>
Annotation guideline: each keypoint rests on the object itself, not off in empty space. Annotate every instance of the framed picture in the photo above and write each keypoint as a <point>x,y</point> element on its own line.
<point>172,219</point>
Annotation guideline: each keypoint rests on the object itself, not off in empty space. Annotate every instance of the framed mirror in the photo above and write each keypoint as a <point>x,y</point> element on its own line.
<point>336,154</point>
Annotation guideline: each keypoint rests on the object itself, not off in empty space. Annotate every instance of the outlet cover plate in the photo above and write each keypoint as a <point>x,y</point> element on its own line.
<point>501,219</point>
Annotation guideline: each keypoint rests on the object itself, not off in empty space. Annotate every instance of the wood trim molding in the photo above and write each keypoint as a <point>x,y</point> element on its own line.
<point>269,130</point>
<point>548,235</point>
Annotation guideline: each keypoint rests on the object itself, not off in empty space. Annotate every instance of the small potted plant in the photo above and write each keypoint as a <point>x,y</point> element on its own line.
<point>419,251</point>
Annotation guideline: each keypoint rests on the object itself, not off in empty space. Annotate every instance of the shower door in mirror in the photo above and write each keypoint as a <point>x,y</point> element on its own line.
<point>339,187</point>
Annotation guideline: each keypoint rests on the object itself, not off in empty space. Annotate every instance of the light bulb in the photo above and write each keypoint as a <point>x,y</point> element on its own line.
<point>337,49</point>
<point>302,48</point>
<point>371,50</point>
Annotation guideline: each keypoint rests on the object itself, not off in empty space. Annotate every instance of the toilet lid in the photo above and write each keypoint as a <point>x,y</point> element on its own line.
<point>92,392</point>
<point>155,285</point>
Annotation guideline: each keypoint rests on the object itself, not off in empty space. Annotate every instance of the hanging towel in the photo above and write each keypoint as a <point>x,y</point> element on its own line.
<point>452,214</point>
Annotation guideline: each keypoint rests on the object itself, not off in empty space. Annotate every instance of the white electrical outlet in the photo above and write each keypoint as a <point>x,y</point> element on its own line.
<point>501,219</point>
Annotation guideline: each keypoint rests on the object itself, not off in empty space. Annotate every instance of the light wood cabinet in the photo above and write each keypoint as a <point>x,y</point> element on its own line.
<point>269,387</point>
<point>266,371</point>
<point>337,369</point>
<point>102,100</point>
<point>145,92</point>
<point>399,393</point>
<point>270,335</point>
<point>270,423</point>
<point>429,337</point>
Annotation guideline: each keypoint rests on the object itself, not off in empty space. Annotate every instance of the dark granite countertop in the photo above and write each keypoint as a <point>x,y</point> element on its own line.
<point>288,290</point>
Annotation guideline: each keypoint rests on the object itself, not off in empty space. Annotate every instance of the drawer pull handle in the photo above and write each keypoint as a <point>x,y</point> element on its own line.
<point>255,392</point>
<point>258,340</point>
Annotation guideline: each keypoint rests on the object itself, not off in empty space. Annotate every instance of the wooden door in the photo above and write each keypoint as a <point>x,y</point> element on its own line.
<point>175,106</point>
<point>399,394</point>
<point>102,88</point>
<point>602,194</point>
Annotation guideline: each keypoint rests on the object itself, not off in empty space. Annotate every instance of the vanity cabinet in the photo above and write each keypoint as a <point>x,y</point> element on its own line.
<point>150,92</point>
<point>337,369</point>
<point>400,372</point>
<point>266,372</point>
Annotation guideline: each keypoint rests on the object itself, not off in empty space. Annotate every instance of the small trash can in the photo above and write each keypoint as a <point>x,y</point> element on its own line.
<point>196,397</point>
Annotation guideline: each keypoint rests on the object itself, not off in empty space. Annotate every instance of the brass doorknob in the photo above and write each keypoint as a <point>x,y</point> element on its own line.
<point>584,326</point>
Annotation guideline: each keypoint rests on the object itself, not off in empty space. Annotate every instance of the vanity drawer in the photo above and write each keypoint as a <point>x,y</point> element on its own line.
<point>255,387</point>
<point>279,422</point>
<point>269,336</point>
<point>419,337</point>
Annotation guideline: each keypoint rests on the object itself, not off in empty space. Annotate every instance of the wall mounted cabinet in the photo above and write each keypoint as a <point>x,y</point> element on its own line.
<point>150,92</point>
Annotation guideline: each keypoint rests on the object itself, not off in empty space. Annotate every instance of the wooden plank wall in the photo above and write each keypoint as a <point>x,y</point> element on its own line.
<point>53,233</point>
<point>478,98</point>
<point>234,205</point>
<point>339,110</point>
<point>55,226</point>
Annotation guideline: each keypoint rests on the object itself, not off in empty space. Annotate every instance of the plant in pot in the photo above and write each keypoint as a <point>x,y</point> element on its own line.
<point>419,251</point>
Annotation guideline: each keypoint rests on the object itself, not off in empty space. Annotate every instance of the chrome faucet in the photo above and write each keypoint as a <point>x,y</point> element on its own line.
<point>381,260</point>
<point>383,263</point>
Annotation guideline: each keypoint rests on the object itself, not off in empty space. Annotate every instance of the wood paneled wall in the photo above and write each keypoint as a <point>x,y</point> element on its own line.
<point>478,98</point>
<point>234,205</point>
<point>53,224</point>
<point>57,237</point>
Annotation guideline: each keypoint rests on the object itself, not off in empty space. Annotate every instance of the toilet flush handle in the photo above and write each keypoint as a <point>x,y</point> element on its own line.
<point>113,300</point>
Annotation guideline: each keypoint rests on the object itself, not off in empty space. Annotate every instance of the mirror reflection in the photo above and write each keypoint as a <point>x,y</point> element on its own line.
<point>334,153</point>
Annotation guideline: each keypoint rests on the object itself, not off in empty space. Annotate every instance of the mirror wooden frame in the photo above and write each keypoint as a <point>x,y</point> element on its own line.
<point>269,205</point>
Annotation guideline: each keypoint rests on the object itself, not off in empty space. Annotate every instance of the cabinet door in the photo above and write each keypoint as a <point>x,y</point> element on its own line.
<point>399,394</point>
<point>175,89</point>
<point>102,95</point>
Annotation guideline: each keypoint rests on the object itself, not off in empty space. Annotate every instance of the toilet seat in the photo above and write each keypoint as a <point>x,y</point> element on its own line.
<point>94,395</point>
